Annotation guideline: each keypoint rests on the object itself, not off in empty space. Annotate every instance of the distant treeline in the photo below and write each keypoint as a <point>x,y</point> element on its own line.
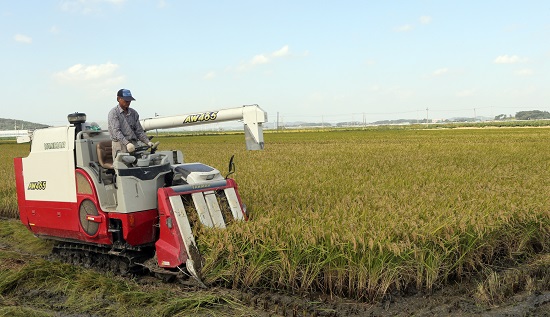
<point>526,115</point>
<point>11,124</point>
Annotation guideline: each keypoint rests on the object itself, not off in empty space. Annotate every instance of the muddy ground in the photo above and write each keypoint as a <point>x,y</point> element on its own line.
<point>455,300</point>
<point>460,299</point>
<point>450,301</point>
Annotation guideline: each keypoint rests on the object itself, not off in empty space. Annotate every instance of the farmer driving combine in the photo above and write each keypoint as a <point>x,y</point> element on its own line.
<point>124,126</point>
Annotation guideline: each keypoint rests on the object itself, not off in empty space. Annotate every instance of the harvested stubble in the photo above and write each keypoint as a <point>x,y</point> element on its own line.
<point>359,213</point>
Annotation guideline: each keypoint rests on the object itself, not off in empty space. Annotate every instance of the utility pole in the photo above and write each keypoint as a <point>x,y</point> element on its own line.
<point>475,115</point>
<point>427,116</point>
<point>157,130</point>
<point>277,127</point>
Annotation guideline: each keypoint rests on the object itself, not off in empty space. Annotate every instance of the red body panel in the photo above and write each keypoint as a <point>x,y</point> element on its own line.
<point>102,236</point>
<point>59,219</point>
<point>170,248</point>
<point>138,227</point>
<point>20,189</point>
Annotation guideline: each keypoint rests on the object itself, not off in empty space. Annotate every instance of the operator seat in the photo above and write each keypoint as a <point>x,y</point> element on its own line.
<point>105,154</point>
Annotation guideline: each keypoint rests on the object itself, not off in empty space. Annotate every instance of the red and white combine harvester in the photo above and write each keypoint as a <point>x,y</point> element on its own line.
<point>141,206</point>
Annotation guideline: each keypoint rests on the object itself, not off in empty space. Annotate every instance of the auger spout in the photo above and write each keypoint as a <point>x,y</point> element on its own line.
<point>252,116</point>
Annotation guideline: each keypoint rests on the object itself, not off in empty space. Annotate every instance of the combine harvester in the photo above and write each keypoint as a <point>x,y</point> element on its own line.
<point>138,207</point>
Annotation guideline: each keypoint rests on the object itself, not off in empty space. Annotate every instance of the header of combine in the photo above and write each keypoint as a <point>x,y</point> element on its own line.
<point>252,116</point>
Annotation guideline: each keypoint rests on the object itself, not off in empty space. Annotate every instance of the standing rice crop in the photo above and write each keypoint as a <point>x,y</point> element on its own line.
<point>8,199</point>
<point>359,213</point>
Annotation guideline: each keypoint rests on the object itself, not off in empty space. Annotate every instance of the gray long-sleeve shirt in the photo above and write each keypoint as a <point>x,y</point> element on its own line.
<point>125,127</point>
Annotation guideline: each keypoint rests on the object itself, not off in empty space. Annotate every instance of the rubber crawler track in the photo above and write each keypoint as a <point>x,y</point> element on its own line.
<point>126,262</point>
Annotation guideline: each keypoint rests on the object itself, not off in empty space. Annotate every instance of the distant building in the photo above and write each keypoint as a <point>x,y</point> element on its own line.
<point>13,133</point>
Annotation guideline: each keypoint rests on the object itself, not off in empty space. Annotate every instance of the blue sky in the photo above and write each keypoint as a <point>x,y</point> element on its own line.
<point>307,60</point>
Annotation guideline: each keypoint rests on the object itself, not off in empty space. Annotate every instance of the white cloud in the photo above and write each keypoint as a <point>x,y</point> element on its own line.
<point>425,19</point>
<point>281,52</point>
<point>80,72</point>
<point>210,75</point>
<point>404,28</point>
<point>162,4</point>
<point>507,59</point>
<point>441,71</point>
<point>22,38</point>
<point>263,59</point>
<point>54,30</point>
<point>259,59</point>
<point>525,72</point>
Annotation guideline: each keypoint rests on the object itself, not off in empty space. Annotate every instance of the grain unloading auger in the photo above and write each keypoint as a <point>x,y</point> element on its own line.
<point>143,206</point>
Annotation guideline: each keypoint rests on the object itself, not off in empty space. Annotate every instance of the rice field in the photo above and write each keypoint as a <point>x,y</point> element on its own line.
<point>362,213</point>
<point>8,196</point>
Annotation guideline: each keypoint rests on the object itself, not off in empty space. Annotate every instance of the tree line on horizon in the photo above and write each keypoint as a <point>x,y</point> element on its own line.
<point>11,124</point>
<point>525,115</point>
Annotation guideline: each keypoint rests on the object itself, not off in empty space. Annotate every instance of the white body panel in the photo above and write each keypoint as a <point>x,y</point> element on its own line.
<point>133,193</point>
<point>202,209</point>
<point>193,262</point>
<point>214,209</point>
<point>51,147</point>
<point>234,203</point>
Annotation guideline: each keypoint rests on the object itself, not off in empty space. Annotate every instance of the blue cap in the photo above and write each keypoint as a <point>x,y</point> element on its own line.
<point>125,94</point>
